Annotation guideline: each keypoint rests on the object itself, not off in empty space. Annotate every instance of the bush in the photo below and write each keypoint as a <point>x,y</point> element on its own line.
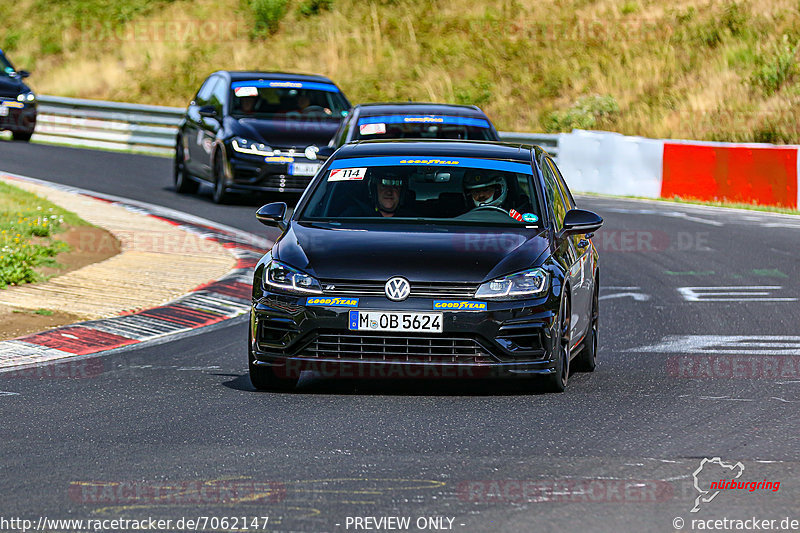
<point>584,114</point>
<point>268,15</point>
<point>774,71</point>
<point>314,7</point>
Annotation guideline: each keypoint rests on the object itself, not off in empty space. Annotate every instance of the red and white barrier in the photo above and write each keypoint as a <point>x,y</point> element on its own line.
<point>610,163</point>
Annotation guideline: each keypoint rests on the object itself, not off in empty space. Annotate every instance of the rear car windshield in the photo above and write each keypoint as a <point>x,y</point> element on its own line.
<point>424,127</point>
<point>290,99</point>
<point>393,189</point>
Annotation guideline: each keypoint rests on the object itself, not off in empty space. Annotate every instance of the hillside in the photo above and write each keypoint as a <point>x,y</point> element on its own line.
<point>688,69</point>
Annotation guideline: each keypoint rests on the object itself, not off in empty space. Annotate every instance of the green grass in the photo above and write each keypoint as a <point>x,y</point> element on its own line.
<point>27,228</point>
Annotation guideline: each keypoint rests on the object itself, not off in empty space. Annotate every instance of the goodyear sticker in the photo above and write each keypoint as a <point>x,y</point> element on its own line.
<point>348,174</point>
<point>428,162</point>
<point>279,159</point>
<point>530,217</point>
<point>372,129</point>
<point>9,103</point>
<point>459,305</point>
<point>424,119</point>
<point>332,302</point>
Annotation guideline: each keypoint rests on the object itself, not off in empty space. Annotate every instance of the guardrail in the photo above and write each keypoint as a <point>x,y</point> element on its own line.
<point>100,124</point>
<point>149,128</point>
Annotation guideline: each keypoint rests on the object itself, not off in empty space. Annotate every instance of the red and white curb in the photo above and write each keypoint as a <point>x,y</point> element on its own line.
<point>223,299</point>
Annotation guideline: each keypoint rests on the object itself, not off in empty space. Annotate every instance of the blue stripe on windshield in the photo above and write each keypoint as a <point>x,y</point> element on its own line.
<point>287,84</point>
<point>452,162</point>
<point>425,119</point>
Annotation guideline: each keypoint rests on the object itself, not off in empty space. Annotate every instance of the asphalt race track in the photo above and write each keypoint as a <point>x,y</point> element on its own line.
<point>699,358</point>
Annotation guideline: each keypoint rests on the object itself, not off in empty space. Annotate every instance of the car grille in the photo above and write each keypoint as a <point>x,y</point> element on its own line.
<point>394,348</point>
<point>418,289</point>
<point>279,181</point>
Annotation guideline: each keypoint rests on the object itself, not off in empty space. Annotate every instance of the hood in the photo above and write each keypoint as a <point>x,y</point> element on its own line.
<point>11,87</point>
<point>468,255</point>
<point>285,133</point>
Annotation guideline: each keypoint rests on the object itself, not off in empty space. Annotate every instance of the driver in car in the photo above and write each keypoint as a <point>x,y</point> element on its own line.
<point>387,193</point>
<point>485,189</point>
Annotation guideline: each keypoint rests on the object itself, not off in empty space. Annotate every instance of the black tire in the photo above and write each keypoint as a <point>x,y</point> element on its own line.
<point>264,377</point>
<point>557,381</point>
<point>220,195</point>
<point>23,136</point>
<point>183,183</point>
<point>586,361</point>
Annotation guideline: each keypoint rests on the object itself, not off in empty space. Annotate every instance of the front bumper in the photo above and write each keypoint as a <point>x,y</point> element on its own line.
<point>18,119</point>
<point>508,338</point>
<point>273,174</point>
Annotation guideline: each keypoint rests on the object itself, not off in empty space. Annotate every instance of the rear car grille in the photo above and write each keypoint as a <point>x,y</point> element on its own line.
<point>395,348</point>
<point>418,289</point>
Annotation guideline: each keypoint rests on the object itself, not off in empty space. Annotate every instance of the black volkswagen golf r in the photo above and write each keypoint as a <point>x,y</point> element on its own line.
<point>17,102</point>
<point>246,131</point>
<point>429,258</point>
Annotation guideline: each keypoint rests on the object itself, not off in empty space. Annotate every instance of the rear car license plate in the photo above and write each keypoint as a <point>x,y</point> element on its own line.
<point>303,169</point>
<point>395,321</point>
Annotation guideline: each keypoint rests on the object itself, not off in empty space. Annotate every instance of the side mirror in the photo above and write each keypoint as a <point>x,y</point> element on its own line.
<point>325,152</point>
<point>580,221</point>
<point>208,111</point>
<point>272,215</point>
<point>23,73</point>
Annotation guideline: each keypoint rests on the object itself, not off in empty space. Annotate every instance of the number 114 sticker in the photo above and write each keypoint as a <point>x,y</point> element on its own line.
<point>347,174</point>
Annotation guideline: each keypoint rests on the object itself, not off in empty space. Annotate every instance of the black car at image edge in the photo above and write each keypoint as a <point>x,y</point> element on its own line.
<point>420,254</point>
<point>17,102</point>
<point>256,131</point>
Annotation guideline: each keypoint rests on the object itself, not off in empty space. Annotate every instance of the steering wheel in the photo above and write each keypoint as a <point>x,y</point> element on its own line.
<point>314,109</point>
<point>494,207</point>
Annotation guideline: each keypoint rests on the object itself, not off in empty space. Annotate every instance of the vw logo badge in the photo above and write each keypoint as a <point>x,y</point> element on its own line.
<point>397,289</point>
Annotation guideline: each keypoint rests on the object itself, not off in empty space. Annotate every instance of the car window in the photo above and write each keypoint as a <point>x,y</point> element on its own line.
<point>423,127</point>
<point>287,99</point>
<point>562,185</point>
<point>455,191</point>
<point>219,94</point>
<point>204,93</point>
<point>341,135</point>
<point>554,200</point>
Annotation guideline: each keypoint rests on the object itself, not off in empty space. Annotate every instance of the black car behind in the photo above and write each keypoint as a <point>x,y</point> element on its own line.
<point>412,120</point>
<point>247,131</point>
<point>17,101</point>
<point>421,255</point>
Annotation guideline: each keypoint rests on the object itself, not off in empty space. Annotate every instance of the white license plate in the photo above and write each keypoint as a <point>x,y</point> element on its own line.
<point>3,111</point>
<point>303,169</point>
<point>395,321</point>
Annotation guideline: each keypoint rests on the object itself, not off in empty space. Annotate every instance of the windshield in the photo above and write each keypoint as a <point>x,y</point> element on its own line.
<point>454,191</point>
<point>424,127</point>
<point>287,99</point>
<point>5,66</point>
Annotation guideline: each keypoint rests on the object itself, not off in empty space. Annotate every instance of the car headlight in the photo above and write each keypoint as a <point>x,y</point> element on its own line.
<point>516,286</point>
<point>311,152</point>
<point>285,278</point>
<point>246,146</point>
<point>26,97</point>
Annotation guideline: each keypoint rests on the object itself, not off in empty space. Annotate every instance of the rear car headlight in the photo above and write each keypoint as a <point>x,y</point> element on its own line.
<point>287,279</point>
<point>521,285</point>
<point>246,146</point>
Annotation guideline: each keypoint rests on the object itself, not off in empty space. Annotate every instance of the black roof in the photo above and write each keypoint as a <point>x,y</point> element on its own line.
<point>237,75</point>
<point>419,108</point>
<point>439,148</point>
